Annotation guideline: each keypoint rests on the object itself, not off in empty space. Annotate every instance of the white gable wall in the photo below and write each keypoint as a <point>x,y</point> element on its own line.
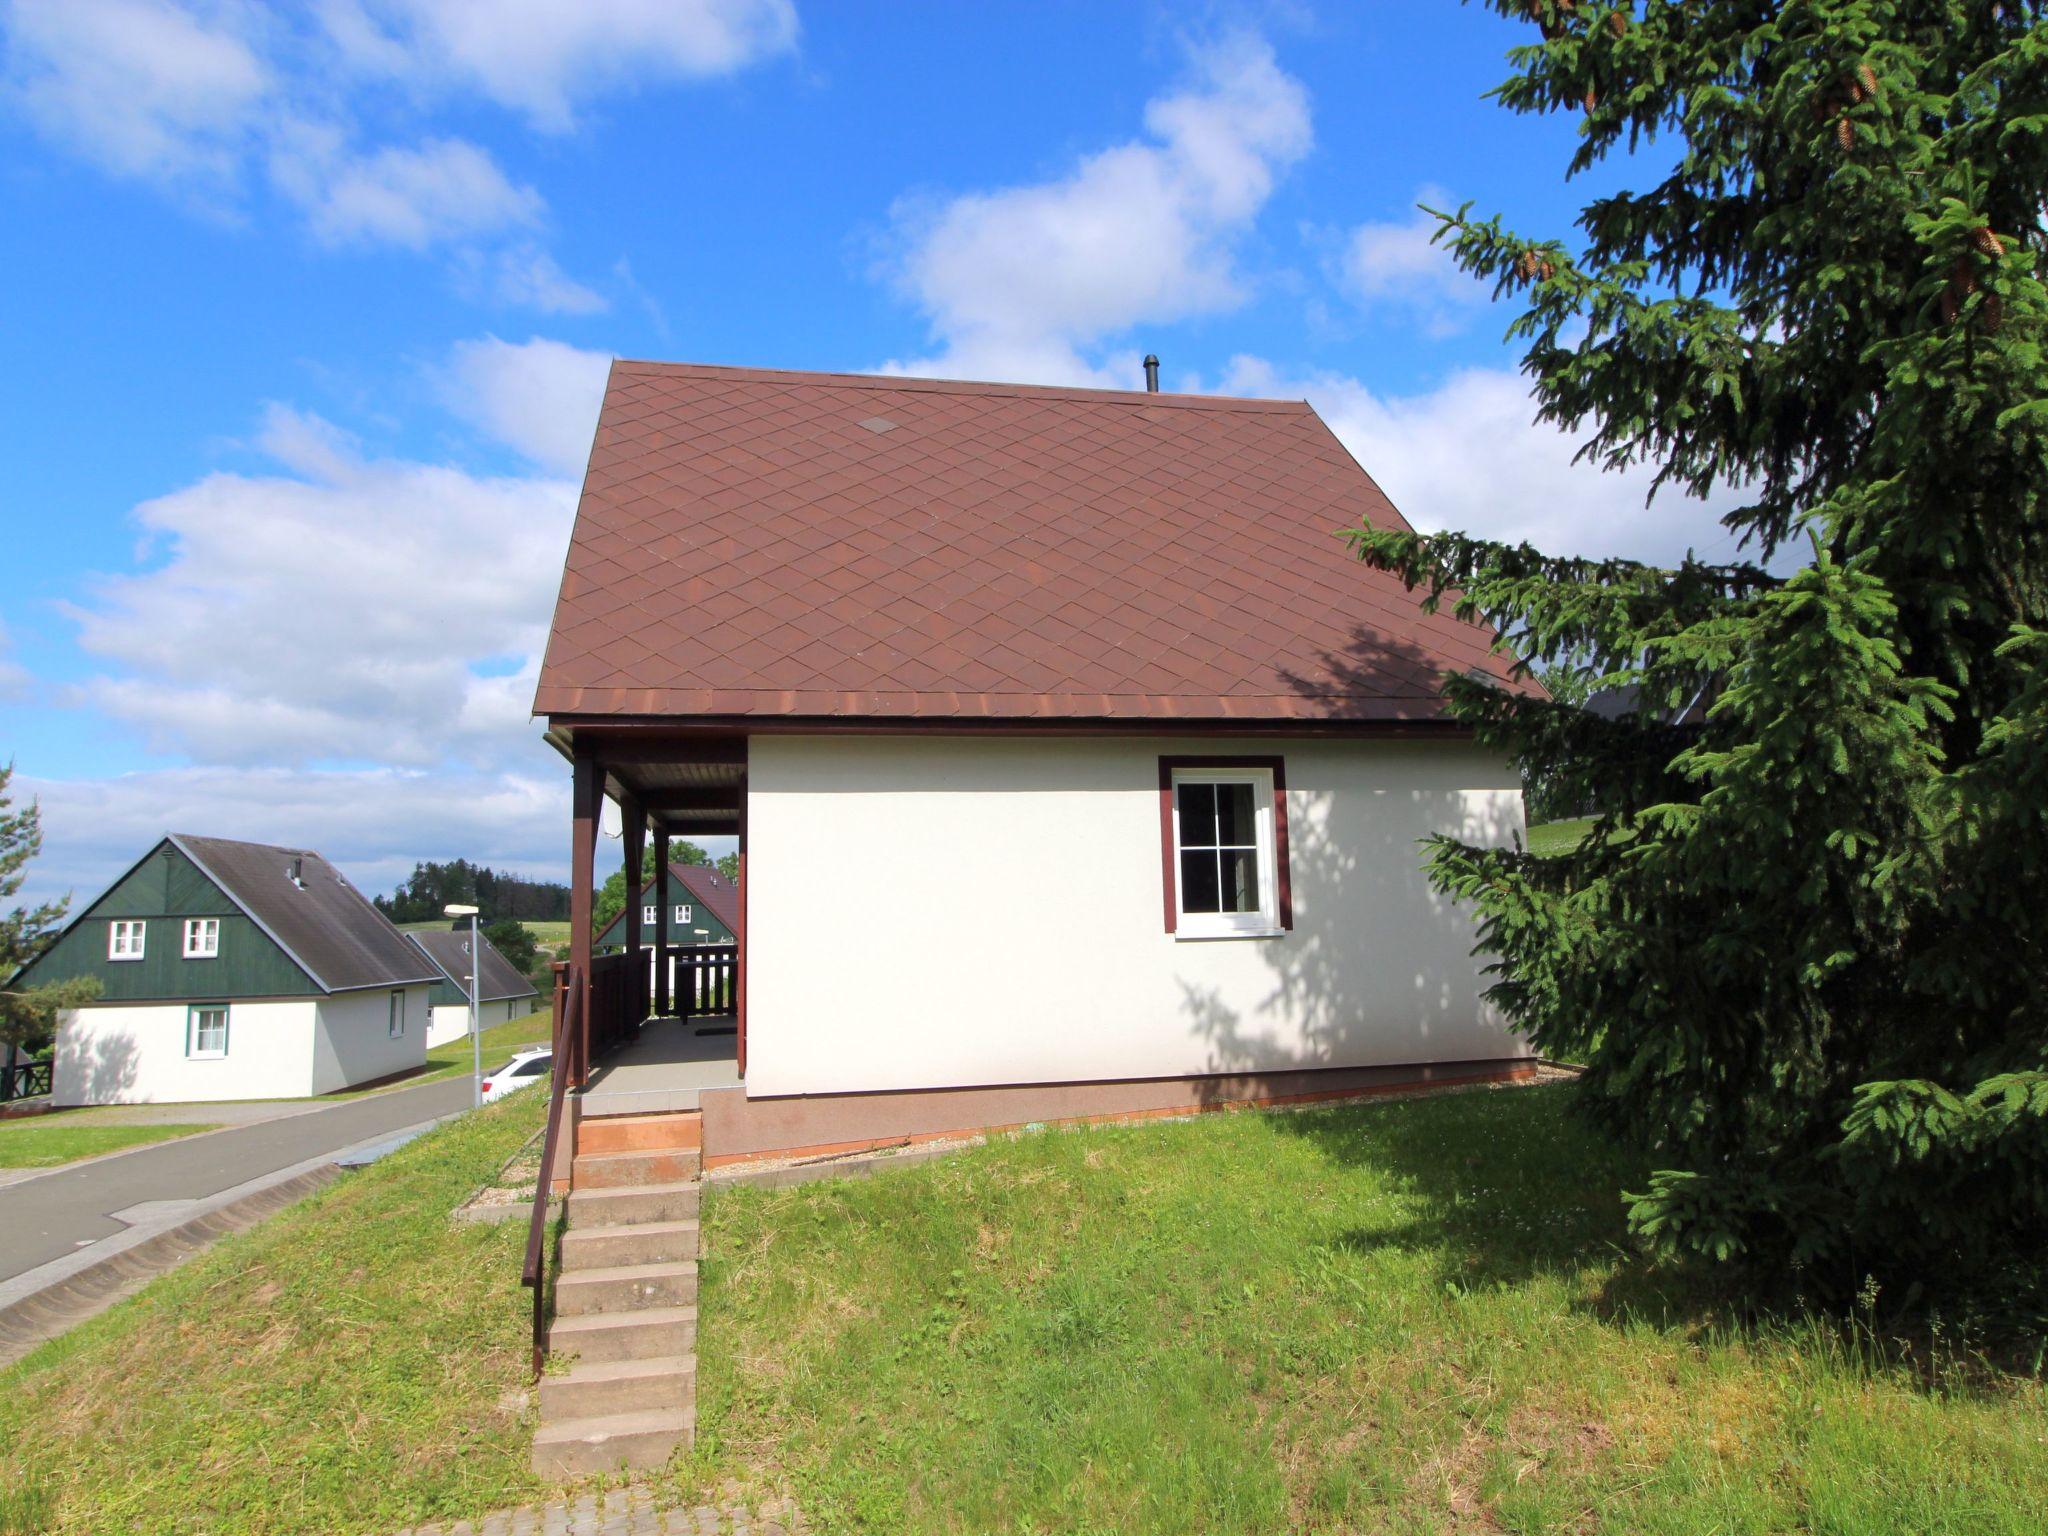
<point>135,1053</point>
<point>451,1020</point>
<point>926,912</point>
<point>353,1043</point>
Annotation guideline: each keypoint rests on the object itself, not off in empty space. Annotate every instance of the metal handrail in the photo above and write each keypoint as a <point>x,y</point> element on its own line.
<point>567,1041</point>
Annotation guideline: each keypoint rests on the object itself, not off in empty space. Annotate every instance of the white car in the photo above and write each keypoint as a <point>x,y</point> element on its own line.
<point>524,1067</point>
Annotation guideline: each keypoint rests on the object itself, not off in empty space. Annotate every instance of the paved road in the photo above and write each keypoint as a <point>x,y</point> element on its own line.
<point>48,1217</point>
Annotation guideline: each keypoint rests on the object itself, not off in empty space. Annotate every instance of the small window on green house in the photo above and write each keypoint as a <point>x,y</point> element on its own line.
<point>202,938</point>
<point>206,1031</point>
<point>125,937</point>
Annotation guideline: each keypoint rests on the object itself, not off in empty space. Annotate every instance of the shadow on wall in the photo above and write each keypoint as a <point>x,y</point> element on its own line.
<point>97,1068</point>
<point>1378,958</point>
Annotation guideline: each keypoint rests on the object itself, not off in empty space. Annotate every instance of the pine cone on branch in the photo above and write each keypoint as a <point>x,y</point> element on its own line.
<point>1845,133</point>
<point>1987,242</point>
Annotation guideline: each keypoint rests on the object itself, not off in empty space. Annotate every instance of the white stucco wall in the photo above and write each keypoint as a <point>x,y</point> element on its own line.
<point>451,1020</point>
<point>135,1054</point>
<point>353,1044</point>
<point>927,913</point>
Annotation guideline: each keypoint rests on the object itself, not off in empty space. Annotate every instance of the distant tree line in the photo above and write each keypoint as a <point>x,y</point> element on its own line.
<point>432,886</point>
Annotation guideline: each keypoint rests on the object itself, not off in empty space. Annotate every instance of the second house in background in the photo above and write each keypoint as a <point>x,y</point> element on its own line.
<point>502,994</point>
<point>703,907</point>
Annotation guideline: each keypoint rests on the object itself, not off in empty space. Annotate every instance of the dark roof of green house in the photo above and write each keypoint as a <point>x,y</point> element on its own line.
<point>448,948</point>
<point>311,912</point>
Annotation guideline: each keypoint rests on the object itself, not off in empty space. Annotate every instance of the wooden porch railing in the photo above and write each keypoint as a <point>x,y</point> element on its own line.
<point>568,1068</point>
<point>706,979</point>
<point>24,1080</point>
<point>618,1002</point>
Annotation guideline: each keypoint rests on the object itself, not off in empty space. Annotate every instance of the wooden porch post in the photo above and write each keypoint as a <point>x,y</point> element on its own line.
<point>635,819</point>
<point>661,921</point>
<point>740,981</point>
<point>586,797</point>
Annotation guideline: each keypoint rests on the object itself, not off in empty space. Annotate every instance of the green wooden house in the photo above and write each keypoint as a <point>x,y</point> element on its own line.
<point>703,908</point>
<point>232,970</point>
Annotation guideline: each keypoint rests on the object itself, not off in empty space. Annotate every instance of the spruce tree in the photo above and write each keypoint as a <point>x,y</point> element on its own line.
<point>1802,952</point>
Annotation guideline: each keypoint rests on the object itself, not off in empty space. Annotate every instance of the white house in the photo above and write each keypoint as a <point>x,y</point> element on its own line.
<point>233,970</point>
<point>1088,682</point>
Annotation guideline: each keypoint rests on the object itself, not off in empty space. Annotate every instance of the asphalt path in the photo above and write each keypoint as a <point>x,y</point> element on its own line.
<point>67,1209</point>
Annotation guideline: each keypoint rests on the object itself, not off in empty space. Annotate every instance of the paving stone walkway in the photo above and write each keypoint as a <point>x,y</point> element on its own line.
<point>626,1512</point>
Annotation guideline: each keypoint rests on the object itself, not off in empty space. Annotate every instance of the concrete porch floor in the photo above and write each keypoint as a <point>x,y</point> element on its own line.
<point>664,1067</point>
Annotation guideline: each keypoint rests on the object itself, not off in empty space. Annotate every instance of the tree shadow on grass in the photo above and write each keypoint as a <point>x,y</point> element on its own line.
<point>1513,1188</point>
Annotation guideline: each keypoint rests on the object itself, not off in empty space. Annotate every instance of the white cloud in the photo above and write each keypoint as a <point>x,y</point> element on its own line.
<point>1394,266</point>
<point>1470,455</point>
<point>13,676</point>
<point>543,57</point>
<point>146,88</point>
<point>374,823</point>
<point>446,189</point>
<point>206,99</point>
<point>345,610</point>
<point>529,278</point>
<point>538,397</point>
<point>1017,282</point>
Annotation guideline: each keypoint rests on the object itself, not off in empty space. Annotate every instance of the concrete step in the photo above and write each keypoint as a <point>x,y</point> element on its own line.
<point>645,1242</point>
<point>635,1203</point>
<point>680,1131</point>
<point>596,1388</point>
<point>648,1333</point>
<point>629,1170</point>
<point>625,1288</point>
<point>642,1441</point>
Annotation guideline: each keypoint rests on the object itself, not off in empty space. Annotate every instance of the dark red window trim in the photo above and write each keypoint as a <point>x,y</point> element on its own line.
<point>1168,859</point>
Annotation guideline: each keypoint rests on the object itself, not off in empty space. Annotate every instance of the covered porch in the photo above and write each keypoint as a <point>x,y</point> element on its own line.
<point>646,1029</point>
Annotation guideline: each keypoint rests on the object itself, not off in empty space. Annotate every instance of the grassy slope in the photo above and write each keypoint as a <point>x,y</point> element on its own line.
<point>453,1057</point>
<point>356,1364</point>
<point>41,1141</point>
<point>1404,1317</point>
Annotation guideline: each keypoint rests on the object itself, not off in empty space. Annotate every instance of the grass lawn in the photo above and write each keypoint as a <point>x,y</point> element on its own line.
<point>1551,838</point>
<point>44,1141</point>
<point>1407,1317</point>
<point>356,1364</point>
<point>452,1057</point>
<point>547,933</point>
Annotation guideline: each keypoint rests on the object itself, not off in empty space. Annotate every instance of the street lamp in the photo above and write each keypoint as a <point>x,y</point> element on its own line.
<point>476,1039</point>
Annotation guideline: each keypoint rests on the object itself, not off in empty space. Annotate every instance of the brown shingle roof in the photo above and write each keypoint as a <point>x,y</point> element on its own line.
<point>761,544</point>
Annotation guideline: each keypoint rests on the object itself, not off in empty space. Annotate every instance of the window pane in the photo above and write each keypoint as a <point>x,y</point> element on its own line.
<point>1235,825</point>
<point>1198,891</point>
<point>1198,816</point>
<point>1240,879</point>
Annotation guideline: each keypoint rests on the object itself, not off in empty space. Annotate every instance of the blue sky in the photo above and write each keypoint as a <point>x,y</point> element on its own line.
<point>308,306</point>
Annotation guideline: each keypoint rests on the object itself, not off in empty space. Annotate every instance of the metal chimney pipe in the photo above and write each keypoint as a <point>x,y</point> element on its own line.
<point>1151,373</point>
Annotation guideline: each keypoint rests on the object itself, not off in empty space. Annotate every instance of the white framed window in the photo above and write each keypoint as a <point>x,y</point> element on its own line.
<point>125,938</point>
<point>647,917</point>
<point>202,938</point>
<point>1225,857</point>
<point>206,1031</point>
<point>683,915</point>
<point>397,1021</point>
